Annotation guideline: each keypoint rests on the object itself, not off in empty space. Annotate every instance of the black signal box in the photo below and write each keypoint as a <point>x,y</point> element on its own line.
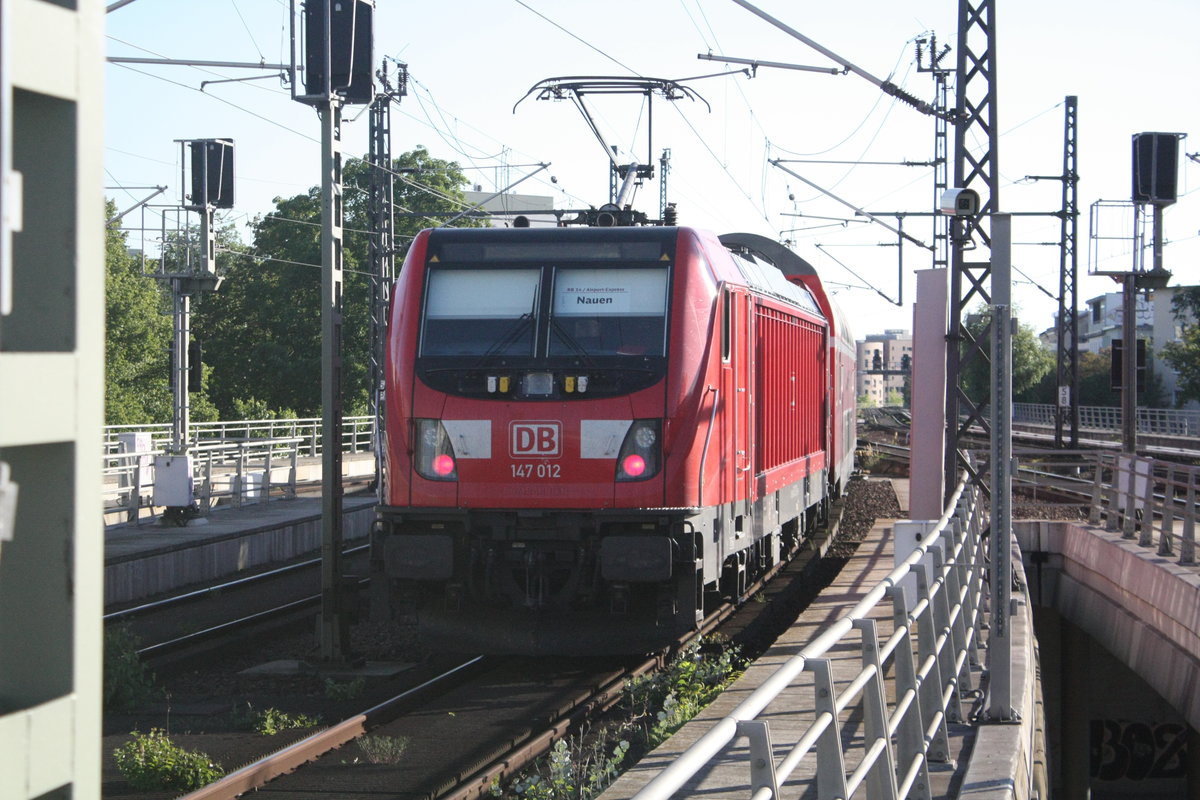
<point>1116,374</point>
<point>1155,167</point>
<point>212,173</point>
<point>350,40</point>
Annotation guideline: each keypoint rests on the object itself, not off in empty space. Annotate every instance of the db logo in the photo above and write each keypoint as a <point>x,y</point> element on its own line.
<point>535,439</point>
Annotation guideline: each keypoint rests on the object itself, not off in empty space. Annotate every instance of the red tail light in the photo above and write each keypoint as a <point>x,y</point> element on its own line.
<point>639,458</point>
<point>634,466</point>
<point>433,456</point>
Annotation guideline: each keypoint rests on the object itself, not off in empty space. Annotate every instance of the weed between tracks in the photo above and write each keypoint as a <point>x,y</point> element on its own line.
<point>151,762</point>
<point>127,681</point>
<point>652,708</point>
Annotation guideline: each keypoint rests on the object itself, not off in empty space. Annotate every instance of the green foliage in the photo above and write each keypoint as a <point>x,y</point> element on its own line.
<point>577,768</point>
<point>580,767</point>
<point>262,330</point>
<point>127,682</point>
<point>894,399</point>
<point>152,762</point>
<point>1184,355</point>
<point>665,700</point>
<point>1095,383</point>
<point>1185,305</point>
<point>253,408</point>
<point>1031,362</point>
<point>383,749</point>
<point>342,691</point>
<point>866,401</point>
<point>137,338</point>
<point>271,721</point>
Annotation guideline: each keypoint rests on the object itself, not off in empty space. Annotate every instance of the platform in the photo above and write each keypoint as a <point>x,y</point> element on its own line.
<point>792,711</point>
<point>148,559</point>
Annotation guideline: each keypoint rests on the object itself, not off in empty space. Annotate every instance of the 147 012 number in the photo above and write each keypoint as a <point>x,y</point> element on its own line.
<point>536,470</point>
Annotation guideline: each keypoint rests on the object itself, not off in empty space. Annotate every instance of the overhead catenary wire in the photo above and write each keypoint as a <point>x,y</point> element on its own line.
<point>220,99</point>
<point>248,31</point>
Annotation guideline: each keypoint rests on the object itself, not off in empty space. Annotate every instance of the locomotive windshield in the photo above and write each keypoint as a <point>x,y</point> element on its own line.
<point>600,312</point>
<point>499,308</point>
<point>480,312</point>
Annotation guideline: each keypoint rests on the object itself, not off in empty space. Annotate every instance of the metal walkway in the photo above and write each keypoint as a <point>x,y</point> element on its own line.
<point>874,687</point>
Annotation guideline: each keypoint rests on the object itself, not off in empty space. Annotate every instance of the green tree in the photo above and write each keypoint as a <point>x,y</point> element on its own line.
<point>1095,383</point>
<point>1031,362</point>
<point>137,338</point>
<point>262,330</point>
<point>1184,355</point>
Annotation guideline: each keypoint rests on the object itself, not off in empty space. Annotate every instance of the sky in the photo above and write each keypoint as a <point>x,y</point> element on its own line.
<point>1132,67</point>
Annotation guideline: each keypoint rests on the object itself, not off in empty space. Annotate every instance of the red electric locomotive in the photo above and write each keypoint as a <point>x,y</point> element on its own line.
<point>591,430</point>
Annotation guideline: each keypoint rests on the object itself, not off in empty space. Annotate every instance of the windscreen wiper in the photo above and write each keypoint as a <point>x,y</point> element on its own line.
<point>518,327</point>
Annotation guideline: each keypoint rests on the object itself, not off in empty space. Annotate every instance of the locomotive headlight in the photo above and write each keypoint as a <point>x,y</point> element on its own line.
<point>645,437</point>
<point>434,457</point>
<point>640,457</point>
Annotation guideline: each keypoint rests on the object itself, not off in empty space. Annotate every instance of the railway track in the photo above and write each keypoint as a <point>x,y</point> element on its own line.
<point>226,612</point>
<point>474,724</point>
<point>547,702</point>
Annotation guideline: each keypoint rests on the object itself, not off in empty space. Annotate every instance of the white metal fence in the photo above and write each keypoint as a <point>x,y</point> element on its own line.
<point>891,758</point>
<point>1149,500</point>
<point>1166,421</point>
<point>232,462</point>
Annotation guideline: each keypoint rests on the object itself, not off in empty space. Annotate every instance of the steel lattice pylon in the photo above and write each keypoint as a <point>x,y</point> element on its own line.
<point>1067,416</point>
<point>382,243</point>
<point>975,120</point>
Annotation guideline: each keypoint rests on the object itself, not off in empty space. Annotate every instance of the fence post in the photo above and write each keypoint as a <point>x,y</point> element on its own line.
<point>762,757</point>
<point>239,477</point>
<point>831,763</point>
<point>973,563</point>
<point>881,780</point>
<point>1187,544</point>
<point>934,682</point>
<point>1146,526</point>
<point>1165,545</point>
<point>207,491</point>
<point>292,470</point>
<point>1097,490</point>
<point>910,733</point>
<point>1129,472</point>
<point>956,600</point>
<point>1113,518</point>
<point>266,479</point>
<point>135,494</point>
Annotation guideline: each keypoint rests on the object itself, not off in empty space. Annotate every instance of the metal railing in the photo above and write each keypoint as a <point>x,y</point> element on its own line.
<point>224,473</point>
<point>1149,500</point>
<point>1165,421</point>
<point>357,433</point>
<point>233,463</point>
<point>892,756</point>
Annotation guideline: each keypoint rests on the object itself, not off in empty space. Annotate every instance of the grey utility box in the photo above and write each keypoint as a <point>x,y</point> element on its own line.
<point>173,485</point>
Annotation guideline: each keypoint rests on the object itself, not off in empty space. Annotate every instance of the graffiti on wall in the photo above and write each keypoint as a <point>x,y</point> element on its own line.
<point>1131,750</point>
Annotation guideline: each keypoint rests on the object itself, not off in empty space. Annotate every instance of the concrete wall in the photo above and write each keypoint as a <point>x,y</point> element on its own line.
<point>1118,626</point>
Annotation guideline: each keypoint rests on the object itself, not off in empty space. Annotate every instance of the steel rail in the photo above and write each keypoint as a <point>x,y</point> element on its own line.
<point>258,773</point>
<point>197,594</point>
